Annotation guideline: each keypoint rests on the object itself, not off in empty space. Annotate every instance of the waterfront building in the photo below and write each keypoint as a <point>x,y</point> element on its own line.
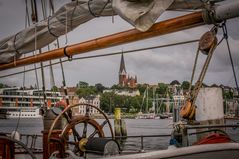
<point>131,93</point>
<point>71,95</point>
<point>93,100</point>
<point>26,103</point>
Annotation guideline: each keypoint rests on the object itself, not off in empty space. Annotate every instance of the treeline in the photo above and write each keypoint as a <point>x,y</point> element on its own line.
<point>110,100</point>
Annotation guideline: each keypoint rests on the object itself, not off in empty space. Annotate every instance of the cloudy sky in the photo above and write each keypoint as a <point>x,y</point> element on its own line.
<point>151,66</point>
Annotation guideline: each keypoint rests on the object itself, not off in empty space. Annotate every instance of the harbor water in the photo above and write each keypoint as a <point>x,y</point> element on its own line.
<point>135,127</point>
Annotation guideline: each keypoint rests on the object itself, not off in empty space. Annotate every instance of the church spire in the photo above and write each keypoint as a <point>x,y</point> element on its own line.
<point>122,69</point>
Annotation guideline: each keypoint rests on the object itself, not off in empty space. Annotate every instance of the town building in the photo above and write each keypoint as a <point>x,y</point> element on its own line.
<point>125,80</point>
<point>92,100</point>
<point>71,95</point>
<point>131,93</point>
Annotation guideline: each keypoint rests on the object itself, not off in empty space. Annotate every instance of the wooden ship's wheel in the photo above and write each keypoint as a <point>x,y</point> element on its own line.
<point>79,130</point>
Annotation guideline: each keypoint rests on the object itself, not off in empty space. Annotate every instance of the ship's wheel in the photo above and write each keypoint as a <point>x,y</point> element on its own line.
<point>79,129</point>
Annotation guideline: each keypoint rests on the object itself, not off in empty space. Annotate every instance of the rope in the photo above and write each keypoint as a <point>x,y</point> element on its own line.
<point>51,7</point>
<point>43,5</point>
<point>61,65</point>
<point>28,24</point>
<point>202,74</point>
<point>99,14</point>
<point>24,76</point>
<point>193,72</point>
<point>44,11</point>
<point>225,32</point>
<point>72,14</point>
<point>66,42</point>
<point>110,54</point>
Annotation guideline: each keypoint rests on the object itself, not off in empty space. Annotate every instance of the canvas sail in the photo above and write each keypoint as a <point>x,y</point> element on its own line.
<point>140,13</point>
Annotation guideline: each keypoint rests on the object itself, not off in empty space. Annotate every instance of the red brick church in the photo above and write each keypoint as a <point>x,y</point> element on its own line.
<point>126,80</point>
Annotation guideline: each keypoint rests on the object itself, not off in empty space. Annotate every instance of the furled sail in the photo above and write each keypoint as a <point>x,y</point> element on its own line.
<point>140,13</point>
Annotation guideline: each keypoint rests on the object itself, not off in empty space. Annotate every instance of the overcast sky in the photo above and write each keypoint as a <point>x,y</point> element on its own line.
<point>151,66</point>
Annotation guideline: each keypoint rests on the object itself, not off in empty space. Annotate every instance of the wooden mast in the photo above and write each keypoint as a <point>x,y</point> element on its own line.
<point>160,28</point>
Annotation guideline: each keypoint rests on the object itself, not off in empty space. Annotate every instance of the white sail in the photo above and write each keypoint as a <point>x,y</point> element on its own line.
<point>140,13</point>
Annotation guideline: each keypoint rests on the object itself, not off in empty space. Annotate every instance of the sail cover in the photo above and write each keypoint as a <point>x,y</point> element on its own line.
<point>140,13</point>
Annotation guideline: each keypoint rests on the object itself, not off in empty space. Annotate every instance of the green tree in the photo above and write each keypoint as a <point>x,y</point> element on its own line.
<point>118,87</point>
<point>54,89</point>
<point>185,85</point>
<point>83,92</point>
<point>141,88</point>
<point>99,87</point>
<point>162,88</point>
<point>228,95</point>
<point>4,85</point>
<point>107,102</point>
<point>82,84</point>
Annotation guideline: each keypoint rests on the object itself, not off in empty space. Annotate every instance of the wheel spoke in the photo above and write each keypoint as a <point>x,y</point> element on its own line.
<point>76,134</point>
<point>87,114</point>
<point>103,124</point>
<point>94,133</point>
<point>85,130</point>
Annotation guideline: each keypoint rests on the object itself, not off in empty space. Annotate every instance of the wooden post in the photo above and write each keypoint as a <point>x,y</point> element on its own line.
<point>49,148</point>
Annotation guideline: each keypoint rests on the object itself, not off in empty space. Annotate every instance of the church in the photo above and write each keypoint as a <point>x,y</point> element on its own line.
<point>126,80</point>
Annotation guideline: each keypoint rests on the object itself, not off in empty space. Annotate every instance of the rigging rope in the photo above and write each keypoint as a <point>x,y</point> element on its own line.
<point>28,24</point>
<point>207,45</point>
<point>24,78</point>
<point>225,33</point>
<point>109,54</point>
<point>193,72</point>
<point>66,42</point>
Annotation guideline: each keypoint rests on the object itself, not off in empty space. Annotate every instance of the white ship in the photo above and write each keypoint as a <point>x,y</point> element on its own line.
<point>17,102</point>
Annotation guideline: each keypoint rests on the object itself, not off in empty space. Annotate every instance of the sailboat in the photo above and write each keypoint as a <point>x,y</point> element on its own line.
<point>142,15</point>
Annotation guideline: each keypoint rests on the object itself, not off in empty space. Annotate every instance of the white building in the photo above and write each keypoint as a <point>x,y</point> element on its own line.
<point>93,100</point>
<point>131,93</point>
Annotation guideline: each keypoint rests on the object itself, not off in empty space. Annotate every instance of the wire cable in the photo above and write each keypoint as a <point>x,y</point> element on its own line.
<point>224,27</point>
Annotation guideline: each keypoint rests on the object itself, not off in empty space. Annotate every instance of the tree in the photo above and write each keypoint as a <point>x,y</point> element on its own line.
<point>185,85</point>
<point>83,84</point>
<point>228,95</point>
<point>141,88</point>
<point>54,89</point>
<point>4,85</point>
<point>83,92</point>
<point>107,101</point>
<point>99,87</point>
<point>175,82</point>
<point>118,87</point>
<point>162,88</point>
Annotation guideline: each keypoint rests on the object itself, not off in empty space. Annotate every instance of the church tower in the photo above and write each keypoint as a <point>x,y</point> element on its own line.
<point>122,72</point>
<point>124,79</point>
